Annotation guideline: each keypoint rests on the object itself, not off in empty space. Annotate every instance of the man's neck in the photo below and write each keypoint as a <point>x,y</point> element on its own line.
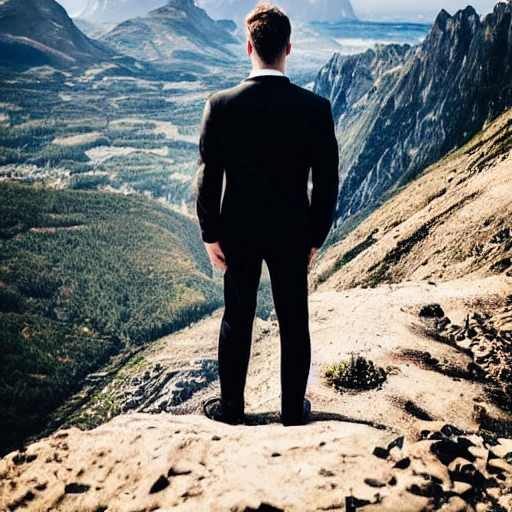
<point>259,67</point>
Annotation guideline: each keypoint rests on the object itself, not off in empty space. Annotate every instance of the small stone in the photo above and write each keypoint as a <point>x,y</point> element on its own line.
<point>464,442</point>
<point>403,464</point>
<point>424,434</point>
<point>397,443</point>
<point>392,481</point>
<point>461,487</point>
<point>499,466</point>
<point>276,454</point>
<point>436,436</point>
<point>215,438</point>
<point>161,484</point>
<point>326,473</point>
<point>381,453</point>
<point>492,483</point>
<point>431,311</point>
<point>451,431</point>
<point>503,448</point>
<point>76,488</point>
<point>23,458</point>
<point>462,471</point>
<point>429,490</point>
<point>456,504</point>
<point>372,482</point>
<point>447,451</point>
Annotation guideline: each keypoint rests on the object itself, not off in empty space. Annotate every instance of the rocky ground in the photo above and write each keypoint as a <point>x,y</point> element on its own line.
<point>435,437</point>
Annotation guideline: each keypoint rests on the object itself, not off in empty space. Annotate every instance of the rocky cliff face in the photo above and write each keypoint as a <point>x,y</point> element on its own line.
<point>305,10</point>
<point>39,32</point>
<point>399,110</point>
<point>117,10</point>
<point>347,79</point>
<point>178,30</point>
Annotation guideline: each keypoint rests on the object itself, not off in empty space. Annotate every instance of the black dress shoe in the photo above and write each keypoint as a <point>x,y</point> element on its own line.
<point>306,411</point>
<point>214,410</point>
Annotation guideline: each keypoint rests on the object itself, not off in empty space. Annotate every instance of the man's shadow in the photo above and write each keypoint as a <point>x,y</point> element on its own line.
<point>269,418</point>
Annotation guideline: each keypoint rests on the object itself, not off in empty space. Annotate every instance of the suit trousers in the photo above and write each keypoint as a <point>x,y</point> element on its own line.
<point>288,268</point>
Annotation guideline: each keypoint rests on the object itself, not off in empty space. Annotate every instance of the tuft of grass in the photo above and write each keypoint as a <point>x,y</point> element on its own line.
<point>358,373</point>
<point>459,254</point>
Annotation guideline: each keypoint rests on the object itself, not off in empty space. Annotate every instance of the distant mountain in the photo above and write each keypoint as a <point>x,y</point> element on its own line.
<point>39,32</point>
<point>398,111</point>
<point>178,30</point>
<point>304,10</point>
<point>117,10</point>
<point>93,29</point>
<point>347,78</point>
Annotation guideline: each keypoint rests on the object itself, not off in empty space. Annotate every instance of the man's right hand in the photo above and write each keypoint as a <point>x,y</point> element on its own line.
<point>312,256</point>
<point>216,255</point>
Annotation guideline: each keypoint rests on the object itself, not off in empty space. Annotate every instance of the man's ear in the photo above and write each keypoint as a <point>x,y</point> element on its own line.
<point>250,49</point>
<point>288,49</point>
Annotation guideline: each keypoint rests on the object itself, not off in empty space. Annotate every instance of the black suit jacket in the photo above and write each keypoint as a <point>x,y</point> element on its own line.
<point>264,136</point>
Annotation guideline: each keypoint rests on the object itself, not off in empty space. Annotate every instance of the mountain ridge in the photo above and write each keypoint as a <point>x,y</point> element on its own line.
<point>178,30</point>
<point>117,10</point>
<point>433,102</point>
<point>40,32</point>
<point>304,10</point>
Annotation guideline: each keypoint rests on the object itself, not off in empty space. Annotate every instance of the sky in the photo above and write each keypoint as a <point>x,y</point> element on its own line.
<point>371,9</point>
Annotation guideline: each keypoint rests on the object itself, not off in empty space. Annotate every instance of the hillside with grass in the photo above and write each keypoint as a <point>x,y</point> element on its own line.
<point>453,221</point>
<point>85,276</point>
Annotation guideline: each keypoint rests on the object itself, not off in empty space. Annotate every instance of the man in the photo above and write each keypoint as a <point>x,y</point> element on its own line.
<point>261,139</point>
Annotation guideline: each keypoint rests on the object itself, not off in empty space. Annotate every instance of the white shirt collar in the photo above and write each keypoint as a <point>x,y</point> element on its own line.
<point>265,72</point>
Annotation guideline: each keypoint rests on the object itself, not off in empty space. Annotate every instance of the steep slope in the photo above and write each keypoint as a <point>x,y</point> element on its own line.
<point>348,78</point>
<point>454,220</point>
<point>39,32</point>
<point>305,10</point>
<point>179,30</point>
<point>434,101</point>
<point>117,10</point>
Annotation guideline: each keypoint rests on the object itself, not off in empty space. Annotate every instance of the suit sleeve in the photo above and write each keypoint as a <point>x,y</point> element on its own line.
<point>209,177</point>
<point>325,178</point>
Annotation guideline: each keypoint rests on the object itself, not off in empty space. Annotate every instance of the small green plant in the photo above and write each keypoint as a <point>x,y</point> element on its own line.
<point>459,254</point>
<point>358,373</point>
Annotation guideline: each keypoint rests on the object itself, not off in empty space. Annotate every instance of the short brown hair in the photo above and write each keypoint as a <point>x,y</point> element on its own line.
<point>269,31</point>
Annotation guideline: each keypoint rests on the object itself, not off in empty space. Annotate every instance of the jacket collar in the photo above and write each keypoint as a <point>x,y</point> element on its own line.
<point>269,78</point>
<point>265,72</point>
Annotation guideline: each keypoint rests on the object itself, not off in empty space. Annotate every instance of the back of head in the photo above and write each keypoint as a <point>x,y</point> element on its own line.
<point>269,29</point>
